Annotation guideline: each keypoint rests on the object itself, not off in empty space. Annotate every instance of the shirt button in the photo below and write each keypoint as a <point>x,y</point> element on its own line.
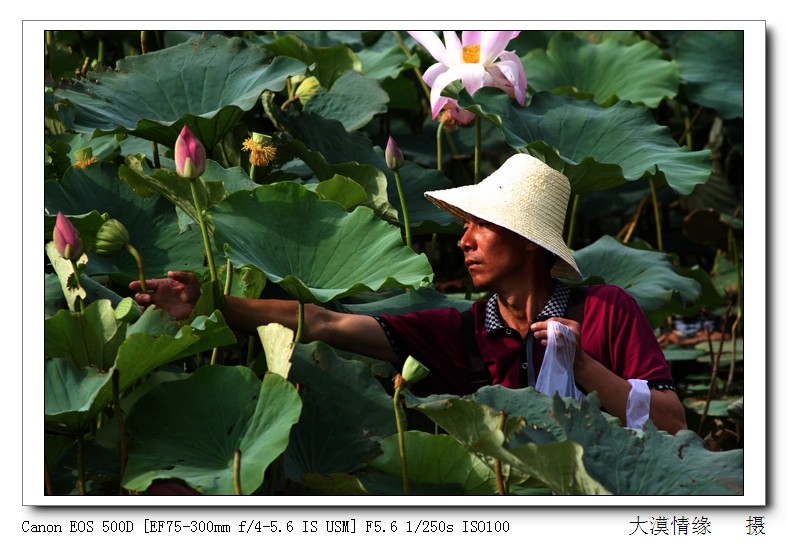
<point>525,365</point>
<point>508,331</point>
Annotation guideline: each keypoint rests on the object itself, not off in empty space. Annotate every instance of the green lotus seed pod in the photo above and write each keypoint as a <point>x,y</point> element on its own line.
<point>111,238</point>
<point>413,370</point>
<point>127,310</point>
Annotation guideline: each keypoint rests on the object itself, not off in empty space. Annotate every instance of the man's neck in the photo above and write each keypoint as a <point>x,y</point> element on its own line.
<point>520,307</point>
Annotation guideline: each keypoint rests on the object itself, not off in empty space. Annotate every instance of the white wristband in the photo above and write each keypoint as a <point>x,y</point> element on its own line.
<point>638,403</point>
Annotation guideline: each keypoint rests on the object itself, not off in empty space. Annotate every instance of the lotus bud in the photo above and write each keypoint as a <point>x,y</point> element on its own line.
<point>112,237</point>
<point>189,155</point>
<point>394,157</point>
<point>66,238</point>
<point>307,89</point>
<point>413,370</point>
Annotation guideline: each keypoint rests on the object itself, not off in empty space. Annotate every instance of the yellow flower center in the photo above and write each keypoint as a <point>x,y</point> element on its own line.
<point>81,164</point>
<point>260,155</point>
<point>470,54</point>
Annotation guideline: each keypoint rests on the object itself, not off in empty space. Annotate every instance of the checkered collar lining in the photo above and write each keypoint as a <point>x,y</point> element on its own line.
<point>556,307</point>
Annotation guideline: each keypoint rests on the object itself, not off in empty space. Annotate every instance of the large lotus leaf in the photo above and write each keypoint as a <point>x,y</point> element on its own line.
<point>64,269</point>
<point>599,148</point>
<point>327,64</point>
<point>346,412</point>
<point>105,147</point>
<point>622,460</point>
<point>219,182</point>
<point>71,392</point>
<point>90,338</point>
<point>143,351</point>
<point>608,71</point>
<point>206,83</point>
<point>278,345</point>
<point>370,178</point>
<point>385,63</point>
<point>151,223</point>
<point>191,429</point>
<point>712,65</point>
<point>353,100</point>
<point>473,421</point>
<point>648,275</point>
<point>338,146</point>
<point>314,249</point>
<point>436,459</point>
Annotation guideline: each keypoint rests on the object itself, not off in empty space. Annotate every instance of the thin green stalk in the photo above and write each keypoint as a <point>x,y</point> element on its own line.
<point>228,281</point>
<point>80,465</point>
<point>78,280</point>
<point>300,327</point>
<point>203,228</point>
<point>144,41</point>
<point>477,151</point>
<point>655,203</point>
<point>237,472</point>
<point>122,444</point>
<point>156,158</point>
<point>570,234</point>
<point>439,145</point>
<point>140,268</point>
<point>251,171</point>
<point>401,438</point>
<point>498,465</point>
<point>407,52</point>
<point>404,208</point>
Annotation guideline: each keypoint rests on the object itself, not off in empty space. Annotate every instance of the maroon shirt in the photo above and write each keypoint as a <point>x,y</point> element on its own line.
<point>614,332</point>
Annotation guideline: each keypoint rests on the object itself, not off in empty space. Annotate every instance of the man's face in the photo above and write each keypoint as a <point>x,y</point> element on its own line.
<point>495,257</point>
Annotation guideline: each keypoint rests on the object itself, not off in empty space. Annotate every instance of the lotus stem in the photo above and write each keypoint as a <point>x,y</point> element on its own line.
<point>80,465</point>
<point>570,233</point>
<point>477,151</point>
<point>122,444</point>
<point>657,221</point>
<point>47,479</point>
<point>78,280</point>
<point>715,359</point>
<point>407,52</point>
<point>439,145</point>
<point>300,326</point>
<point>237,472</point>
<point>404,209</point>
<point>228,281</point>
<point>498,465</point>
<point>156,159</point>
<point>140,268</point>
<point>144,41</point>
<point>401,437</point>
<point>203,228</point>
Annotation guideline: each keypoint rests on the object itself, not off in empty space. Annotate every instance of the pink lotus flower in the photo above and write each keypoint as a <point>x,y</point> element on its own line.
<point>189,155</point>
<point>66,238</point>
<point>472,60</point>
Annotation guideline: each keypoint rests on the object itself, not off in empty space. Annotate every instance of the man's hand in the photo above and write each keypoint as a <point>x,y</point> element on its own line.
<point>176,294</point>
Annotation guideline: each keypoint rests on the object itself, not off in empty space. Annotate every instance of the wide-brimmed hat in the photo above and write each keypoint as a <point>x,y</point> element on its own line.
<point>525,196</point>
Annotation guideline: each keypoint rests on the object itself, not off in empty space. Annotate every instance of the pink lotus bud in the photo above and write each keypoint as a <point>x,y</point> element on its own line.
<point>66,237</point>
<point>394,157</point>
<point>189,155</point>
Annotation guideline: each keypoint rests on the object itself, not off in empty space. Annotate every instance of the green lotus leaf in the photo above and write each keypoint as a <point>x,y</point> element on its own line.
<point>353,100</point>
<point>191,429</point>
<point>385,63</point>
<point>71,394</point>
<point>219,182</point>
<point>146,347</point>
<point>278,346</point>
<point>436,459</point>
<point>608,71</point>
<point>206,83</point>
<point>338,146</point>
<point>620,460</point>
<point>317,258</point>
<point>420,299</point>
<point>712,65</point>
<point>370,178</point>
<point>345,413</point>
<point>152,223</point>
<point>342,190</point>
<point>90,338</point>
<point>597,148</point>
<point>648,275</point>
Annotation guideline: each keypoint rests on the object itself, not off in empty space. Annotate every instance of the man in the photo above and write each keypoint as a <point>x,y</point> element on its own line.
<point>513,246</point>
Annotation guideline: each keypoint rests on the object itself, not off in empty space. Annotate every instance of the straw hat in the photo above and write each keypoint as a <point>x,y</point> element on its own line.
<point>525,196</point>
